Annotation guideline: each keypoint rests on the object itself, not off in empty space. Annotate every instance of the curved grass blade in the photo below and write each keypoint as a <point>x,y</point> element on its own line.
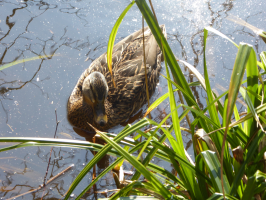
<point>109,168</point>
<point>147,174</point>
<point>214,167</point>
<point>212,109</point>
<point>186,175</point>
<point>256,30</point>
<point>104,150</point>
<point>154,132</point>
<point>157,102</point>
<point>195,72</point>
<point>89,146</point>
<point>112,39</point>
<point>235,82</point>
<point>164,172</point>
<point>217,138</point>
<point>252,85</point>
<point>201,80</point>
<point>263,59</point>
<point>259,109</point>
<point>181,160</point>
<point>219,196</point>
<point>203,142</point>
<point>163,97</point>
<point>162,139</point>
<point>250,105</point>
<point>179,148</point>
<point>24,60</point>
<point>221,35</point>
<point>170,58</point>
<point>251,151</point>
<point>180,88</point>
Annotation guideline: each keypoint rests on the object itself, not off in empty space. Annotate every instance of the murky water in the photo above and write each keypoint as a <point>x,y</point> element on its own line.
<point>76,33</point>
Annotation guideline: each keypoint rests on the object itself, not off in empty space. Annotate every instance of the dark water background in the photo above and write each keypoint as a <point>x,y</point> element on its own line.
<point>77,32</point>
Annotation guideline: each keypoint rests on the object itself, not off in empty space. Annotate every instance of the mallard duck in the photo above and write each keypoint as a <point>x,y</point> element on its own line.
<point>96,101</point>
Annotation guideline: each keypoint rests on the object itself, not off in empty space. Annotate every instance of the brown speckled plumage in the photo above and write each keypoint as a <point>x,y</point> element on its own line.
<point>129,74</point>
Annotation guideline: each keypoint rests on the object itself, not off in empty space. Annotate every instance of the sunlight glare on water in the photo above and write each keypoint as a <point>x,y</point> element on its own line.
<point>77,32</point>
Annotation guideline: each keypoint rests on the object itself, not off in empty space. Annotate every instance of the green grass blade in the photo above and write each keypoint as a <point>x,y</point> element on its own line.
<point>259,109</point>
<point>165,96</point>
<point>147,174</point>
<point>252,85</point>
<point>186,175</point>
<point>104,150</point>
<point>203,184</point>
<point>236,78</point>
<point>212,109</point>
<point>251,152</point>
<point>214,167</point>
<point>196,73</point>
<point>217,138</point>
<point>109,168</point>
<point>237,117</point>
<point>177,157</point>
<point>146,161</point>
<point>170,58</point>
<point>219,196</point>
<point>179,147</point>
<point>152,135</point>
<point>250,104</point>
<point>112,38</point>
<point>180,88</point>
<point>214,101</point>
<point>235,82</point>
<point>263,59</point>
<point>250,187</point>
<point>124,190</point>
<point>24,60</point>
<point>164,172</point>
<point>221,35</point>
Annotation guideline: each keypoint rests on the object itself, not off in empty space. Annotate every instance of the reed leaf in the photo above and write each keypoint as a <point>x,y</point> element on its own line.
<point>112,39</point>
<point>252,85</point>
<point>251,152</point>
<point>214,167</point>
<point>147,174</point>
<point>221,35</point>
<point>162,42</point>
<point>109,168</point>
<point>24,60</point>
<point>101,153</point>
<point>166,95</point>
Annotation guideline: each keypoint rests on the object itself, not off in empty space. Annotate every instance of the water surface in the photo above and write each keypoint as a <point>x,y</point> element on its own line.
<point>76,33</point>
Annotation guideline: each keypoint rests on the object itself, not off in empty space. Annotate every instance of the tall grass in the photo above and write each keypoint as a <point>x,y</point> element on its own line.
<point>229,160</point>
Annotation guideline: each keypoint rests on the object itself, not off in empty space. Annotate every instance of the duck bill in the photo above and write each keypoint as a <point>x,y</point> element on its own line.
<point>99,114</point>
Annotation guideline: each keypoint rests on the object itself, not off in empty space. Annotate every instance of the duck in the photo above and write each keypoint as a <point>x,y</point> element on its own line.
<point>96,103</point>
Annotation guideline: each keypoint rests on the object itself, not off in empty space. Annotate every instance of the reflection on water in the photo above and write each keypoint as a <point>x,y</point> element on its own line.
<point>78,31</point>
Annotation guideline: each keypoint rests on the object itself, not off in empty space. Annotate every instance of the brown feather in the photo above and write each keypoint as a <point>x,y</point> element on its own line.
<point>129,74</point>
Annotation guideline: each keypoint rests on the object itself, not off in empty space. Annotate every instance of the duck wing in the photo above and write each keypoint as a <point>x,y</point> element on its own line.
<point>129,70</point>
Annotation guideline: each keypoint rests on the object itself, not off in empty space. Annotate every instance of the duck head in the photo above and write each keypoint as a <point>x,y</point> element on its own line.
<point>95,91</point>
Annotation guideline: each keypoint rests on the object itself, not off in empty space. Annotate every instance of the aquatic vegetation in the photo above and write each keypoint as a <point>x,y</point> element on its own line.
<point>24,60</point>
<point>228,149</point>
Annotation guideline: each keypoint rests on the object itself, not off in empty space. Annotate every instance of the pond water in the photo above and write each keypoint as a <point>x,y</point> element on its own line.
<point>76,33</point>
